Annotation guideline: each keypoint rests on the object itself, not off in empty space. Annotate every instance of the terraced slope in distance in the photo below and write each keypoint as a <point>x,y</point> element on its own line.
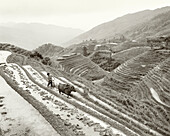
<point>82,66</point>
<point>102,57</point>
<point>138,78</point>
<point>156,82</point>
<point>130,73</point>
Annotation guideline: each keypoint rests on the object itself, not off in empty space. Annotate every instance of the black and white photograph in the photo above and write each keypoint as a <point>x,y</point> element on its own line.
<point>84,67</point>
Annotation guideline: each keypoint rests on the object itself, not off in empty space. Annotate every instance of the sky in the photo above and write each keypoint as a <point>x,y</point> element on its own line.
<point>81,14</point>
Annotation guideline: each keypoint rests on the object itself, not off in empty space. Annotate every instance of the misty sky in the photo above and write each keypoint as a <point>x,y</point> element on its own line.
<point>82,14</point>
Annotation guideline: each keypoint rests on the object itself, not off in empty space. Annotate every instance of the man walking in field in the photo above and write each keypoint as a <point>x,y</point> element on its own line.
<point>49,80</point>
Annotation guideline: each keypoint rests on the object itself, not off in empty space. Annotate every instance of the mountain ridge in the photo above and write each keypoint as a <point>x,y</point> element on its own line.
<point>119,26</point>
<point>32,35</point>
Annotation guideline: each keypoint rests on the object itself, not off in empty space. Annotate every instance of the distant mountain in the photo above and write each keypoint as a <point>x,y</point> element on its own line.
<point>157,26</point>
<point>49,50</point>
<point>32,35</point>
<point>132,26</point>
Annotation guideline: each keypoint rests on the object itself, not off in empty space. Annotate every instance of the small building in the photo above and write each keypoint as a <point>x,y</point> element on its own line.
<point>134,41</point>
<point>60,59</point>
<point>112,44</point>
<point>101,47</point>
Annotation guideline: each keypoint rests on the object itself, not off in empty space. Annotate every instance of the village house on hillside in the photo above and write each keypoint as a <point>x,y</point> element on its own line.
<point>105,46</point>
<point>100,47</point>
<point>159,42</point>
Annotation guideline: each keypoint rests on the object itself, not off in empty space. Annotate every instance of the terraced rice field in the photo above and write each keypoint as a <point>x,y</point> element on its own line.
<point>81,66</point>
<point>145,79</point>
<point>79,121</point>
<point>94,110</point>
<point>18,117</point>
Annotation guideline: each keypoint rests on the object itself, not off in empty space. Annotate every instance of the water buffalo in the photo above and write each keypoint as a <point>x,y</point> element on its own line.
<point>66,88</point>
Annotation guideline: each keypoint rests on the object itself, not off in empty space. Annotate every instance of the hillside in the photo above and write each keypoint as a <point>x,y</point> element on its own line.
<point>78,48</point>
<point>82,66</point>
<point>102,57</point>
<point>130,73</point>
<point>133,99</point>
<point>158,25</point>
<point>30,36</point>
<point>49,50</point>
<point>125,26</point>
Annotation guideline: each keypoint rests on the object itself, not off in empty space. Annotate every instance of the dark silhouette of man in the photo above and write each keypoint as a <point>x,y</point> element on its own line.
<point>49,80</point>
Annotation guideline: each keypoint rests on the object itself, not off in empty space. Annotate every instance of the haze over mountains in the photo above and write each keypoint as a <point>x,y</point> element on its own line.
<point>32,35</point>
<point>136,26</point>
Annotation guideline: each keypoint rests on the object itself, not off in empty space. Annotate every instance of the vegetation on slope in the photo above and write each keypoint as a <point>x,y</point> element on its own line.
<point>49,50</point>
<point>109,60</point>
<point>26,54</point>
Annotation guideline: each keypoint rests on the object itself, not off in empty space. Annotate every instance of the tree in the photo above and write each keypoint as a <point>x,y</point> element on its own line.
<point>84,50</point>
<point>110,56</point>
<point>46,61</point>
<point>36,55</point>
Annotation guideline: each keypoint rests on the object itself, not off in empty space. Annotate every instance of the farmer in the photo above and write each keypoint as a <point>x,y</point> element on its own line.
<point>49,79</point>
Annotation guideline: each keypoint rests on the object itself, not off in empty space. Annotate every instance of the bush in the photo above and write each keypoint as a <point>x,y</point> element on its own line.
<point>36,55</point>
<point>46,61</point>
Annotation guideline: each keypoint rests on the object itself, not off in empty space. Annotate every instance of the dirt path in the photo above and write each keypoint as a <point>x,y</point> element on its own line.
<point>18,117</point>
